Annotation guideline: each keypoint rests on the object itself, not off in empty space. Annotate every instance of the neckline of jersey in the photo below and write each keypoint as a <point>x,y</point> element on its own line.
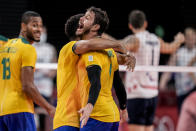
<point>24,40</point>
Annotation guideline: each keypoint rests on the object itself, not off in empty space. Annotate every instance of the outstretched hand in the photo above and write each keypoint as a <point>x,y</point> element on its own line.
<point>86,111</point>
<point>179,37</point>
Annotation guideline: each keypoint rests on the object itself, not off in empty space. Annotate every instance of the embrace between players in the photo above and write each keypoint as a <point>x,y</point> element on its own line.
<point>87,70</point>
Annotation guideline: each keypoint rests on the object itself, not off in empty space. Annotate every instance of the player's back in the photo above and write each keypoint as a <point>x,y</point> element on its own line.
<point>67,92</point>
<point>14,55</point>
<point>144,84</point>
<point>105,108</point>
<point>149,50</point>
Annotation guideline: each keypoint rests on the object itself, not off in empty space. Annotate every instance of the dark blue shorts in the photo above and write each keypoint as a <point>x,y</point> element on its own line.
<point>17,122</point>
<point>95,125</point>
<point>67,128</point>
<point>142,111</point>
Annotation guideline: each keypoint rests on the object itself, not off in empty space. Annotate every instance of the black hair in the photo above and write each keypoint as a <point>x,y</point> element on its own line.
<point>101,18</point>
<point>71,26</point>
<point>137,18</point>
<point>27,16</point>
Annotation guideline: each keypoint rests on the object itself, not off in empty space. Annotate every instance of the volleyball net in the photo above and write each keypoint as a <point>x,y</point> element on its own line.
<point>162,68</point>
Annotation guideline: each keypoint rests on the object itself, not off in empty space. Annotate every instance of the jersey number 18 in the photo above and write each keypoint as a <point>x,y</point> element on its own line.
<point>6,68</point>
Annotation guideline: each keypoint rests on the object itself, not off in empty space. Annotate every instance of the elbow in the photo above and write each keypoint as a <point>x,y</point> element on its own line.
<point>27,88</point>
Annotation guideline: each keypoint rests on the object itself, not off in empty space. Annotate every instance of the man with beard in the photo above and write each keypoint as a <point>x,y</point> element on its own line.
<point>97,72</point>
<point>18,92</point>
<point>68,95</point>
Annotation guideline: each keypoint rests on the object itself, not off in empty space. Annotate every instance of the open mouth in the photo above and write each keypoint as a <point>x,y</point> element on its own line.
<point>80,26</point>
<point>37,34</point>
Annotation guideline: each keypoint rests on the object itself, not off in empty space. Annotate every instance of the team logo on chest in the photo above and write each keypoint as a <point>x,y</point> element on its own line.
<point>90,58</point>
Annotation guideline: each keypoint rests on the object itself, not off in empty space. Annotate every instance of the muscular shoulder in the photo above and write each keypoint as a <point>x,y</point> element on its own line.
<point>67,46</point>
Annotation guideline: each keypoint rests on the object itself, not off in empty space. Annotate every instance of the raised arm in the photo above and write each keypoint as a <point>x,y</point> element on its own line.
<point>27,77</point>
<point>169,48</point>
<point>191,74</point>
<point>166,76</point>
<point>84,46</point>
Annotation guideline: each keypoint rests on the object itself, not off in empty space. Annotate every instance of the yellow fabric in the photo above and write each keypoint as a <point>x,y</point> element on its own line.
<point>105,109</point>
<point>2,43</point>
<point>68,97</point>
<point>14,55</point>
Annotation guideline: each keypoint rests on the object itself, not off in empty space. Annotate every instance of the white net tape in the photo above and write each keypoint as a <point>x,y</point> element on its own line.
<point>53,66</point>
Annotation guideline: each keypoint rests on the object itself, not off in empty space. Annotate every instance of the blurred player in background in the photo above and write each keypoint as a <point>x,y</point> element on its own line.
<point>18,92</point>
<point>187,117</point>
<point>44,78</point>
<point>184,84</point>
<point>142,87</point>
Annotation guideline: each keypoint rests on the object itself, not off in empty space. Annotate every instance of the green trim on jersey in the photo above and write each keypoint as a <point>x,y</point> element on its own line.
<point>24,40</point>
<point>3,38</point>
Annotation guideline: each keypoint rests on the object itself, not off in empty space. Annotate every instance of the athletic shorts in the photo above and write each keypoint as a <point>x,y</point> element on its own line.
<point>141,111</point>
<point>95,125</point>
<point>17,122</point>
<point>67,128</point>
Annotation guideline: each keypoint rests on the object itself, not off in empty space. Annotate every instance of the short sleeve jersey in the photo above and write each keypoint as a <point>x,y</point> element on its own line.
<point>68,102</point>
<point>105,109</point>
<point>14,55</point>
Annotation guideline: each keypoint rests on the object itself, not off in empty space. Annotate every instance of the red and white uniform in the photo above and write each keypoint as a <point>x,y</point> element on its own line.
<point>144,84</point>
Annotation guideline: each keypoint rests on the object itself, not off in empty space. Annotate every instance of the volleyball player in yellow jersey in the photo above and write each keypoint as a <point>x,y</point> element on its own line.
<point>68,96</point>
<point>96,74</point>
<point>18,92</point>
<point>99,67</point>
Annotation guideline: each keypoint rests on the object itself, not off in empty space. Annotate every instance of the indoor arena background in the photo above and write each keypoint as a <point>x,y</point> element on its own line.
<point>165,19</point>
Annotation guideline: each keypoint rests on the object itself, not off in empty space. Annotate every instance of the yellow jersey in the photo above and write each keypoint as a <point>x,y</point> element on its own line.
<point>14,55</point>
<point>68,97</point>
<point>105,109</point>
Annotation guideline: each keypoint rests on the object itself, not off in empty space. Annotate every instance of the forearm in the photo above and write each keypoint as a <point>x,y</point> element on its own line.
<point>32,92</point>
<point>169,48</point>
<point>121,58</point>
<point>120,90</point>
<point>193,60</point>
<point>97,44</point>
<point>191,74</point>
<point>94,74</point>
<point>164,79</point>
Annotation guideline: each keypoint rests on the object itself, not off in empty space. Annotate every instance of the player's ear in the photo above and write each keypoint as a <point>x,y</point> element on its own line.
<point>130,26</point>
<point>95,27</point>
<point>23,26</point>
<point>145,24</point>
